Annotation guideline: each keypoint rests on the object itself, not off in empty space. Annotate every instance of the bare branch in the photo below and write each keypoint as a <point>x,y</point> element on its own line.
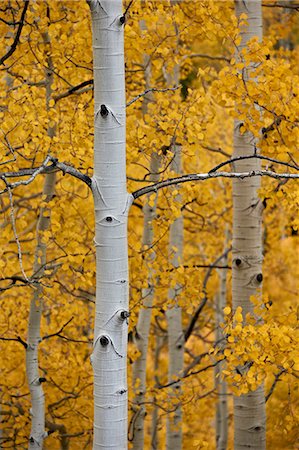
<point>17,36</point>
<point>151,90</point>
<point>256,156</point>
<point>13,224</point>
<point>197,313</point>
<point>282,5</point>
<point>17,339</point>
<point>44,168</point>
<point>59,331</point>
<point>276,379</point>
<point>205,56</point>
<point>74,90</point>
<point>206,176</point>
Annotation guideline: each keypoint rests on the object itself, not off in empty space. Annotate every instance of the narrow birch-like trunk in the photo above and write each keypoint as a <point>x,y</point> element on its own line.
<point>175,330</point>
<point>220,384</point>
<point>37,411</point>
<point>111,203</point>
<point>145,313</point>
<point>144,318</point>
<point>174,313</point>
<point>155,413</point>
<point>249,409</point>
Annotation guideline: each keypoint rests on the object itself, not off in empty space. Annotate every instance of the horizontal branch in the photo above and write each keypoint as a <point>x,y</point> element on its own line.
<point>73,90</point>
<point>151,90</point>
<point>282,5</point>
<point>44,168</point>
<point>205,56</point>
<point>254,156</point>
<point>207,176</point>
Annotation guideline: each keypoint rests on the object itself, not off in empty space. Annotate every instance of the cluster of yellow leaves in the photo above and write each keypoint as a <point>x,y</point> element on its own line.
<point>256,348</point>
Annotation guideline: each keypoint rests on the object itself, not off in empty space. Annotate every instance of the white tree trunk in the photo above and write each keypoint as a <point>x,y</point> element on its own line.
<point>109,358</point>
<point>175,331</point>
<point>145,313</point>
<point>144,318</point>
<point>220,383</point>
<point>249,409</point>
<point>37,411</point>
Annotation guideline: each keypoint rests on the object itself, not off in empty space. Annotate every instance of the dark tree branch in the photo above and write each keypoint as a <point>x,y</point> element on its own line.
<point>265,158</point>
<point>281,5</point>
<point>73,90</point>
<point>59,331</point>
<point>17,339</point>
<point>197,313</point>
<point>17,36</point>
<point>276,379</point>
<point>44,168</point>
<point>206,176</point>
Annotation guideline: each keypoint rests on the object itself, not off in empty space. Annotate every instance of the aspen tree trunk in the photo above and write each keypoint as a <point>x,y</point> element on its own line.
<point>111,203</point>
<point>249,409</point>
<point>155,413</point>
<point>144,318</point>
<point>145,313</point>
<point>174,313</point>
<point>175,331</point>
<point>38,433</point>
<point>220,384</point>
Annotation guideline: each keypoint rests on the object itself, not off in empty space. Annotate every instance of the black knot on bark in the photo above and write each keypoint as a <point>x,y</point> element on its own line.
<point>122,20</point>
<point>259,277</point>
<point>238,262</point>
<point>104,111</point>
<point>42,379</point>
<point>104,341</point>
<point>109,219</point>
<point>124,315</point>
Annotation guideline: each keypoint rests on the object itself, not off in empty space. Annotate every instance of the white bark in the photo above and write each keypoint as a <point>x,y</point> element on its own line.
<point>175,331</point>
<point>109,358</point>
<point>220,383</point>
<point>144,318</point>
<point>249,409</point>
<point>176,339</point>
<point>145,313</point>
<point>37,411</point>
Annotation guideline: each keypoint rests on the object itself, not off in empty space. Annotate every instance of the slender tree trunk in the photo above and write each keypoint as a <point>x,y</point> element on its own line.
<point>155,413</point>
<point>111,202</point>
<point>175,330</point>
<point>144,318</point>
<point>220,384</point>
<point>249,409</point>
<point>174,313</point>
<point>37,433</point>
<point>145,313</point>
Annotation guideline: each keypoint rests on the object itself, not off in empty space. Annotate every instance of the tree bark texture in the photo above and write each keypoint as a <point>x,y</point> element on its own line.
<point>220,383</point>
<point>249,409</point>
<point>37,411</point>
<point>144,318</point>
<point>111,203</point>
<point>145,313</point>
<point>175,331</point>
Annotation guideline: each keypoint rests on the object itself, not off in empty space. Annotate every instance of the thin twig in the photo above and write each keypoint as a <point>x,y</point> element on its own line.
<point>151,90</point>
